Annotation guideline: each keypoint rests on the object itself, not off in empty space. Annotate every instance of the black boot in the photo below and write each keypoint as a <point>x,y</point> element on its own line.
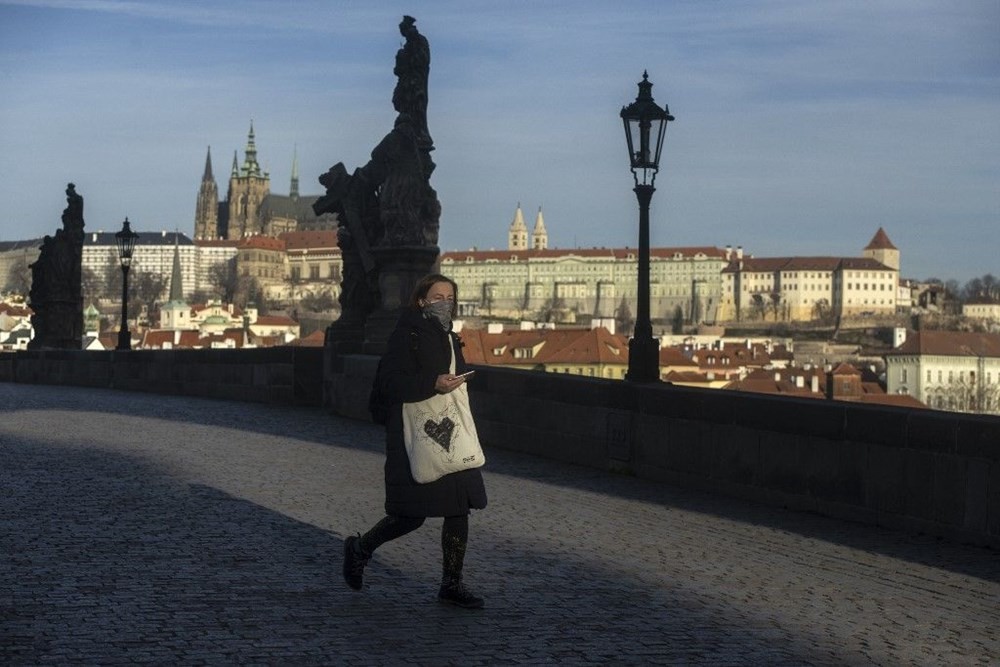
<point>455,592</point>
<point>355,560</point>
<point>454,538</point>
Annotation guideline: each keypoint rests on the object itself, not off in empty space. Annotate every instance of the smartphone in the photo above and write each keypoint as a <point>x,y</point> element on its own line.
<point>465,375</point>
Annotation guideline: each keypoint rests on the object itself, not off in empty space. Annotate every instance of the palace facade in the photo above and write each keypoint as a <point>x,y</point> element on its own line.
<point>812,288</point>
<point>565,285</point>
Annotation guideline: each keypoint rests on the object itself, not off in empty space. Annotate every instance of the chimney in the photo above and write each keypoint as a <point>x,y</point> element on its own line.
<point>739,253</point>
<point>800,381</point>
<point>814,386</point>
<point>177,338</point>
<point>777,376</point>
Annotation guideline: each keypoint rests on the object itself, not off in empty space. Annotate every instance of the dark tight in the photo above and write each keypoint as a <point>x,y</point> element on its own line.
<point>454,539</point>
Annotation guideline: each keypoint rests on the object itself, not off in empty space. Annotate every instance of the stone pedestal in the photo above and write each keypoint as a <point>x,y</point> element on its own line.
<point>400,269</point>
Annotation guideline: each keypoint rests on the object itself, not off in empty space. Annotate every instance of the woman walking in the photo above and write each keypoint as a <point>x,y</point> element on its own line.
<point>417,366</point>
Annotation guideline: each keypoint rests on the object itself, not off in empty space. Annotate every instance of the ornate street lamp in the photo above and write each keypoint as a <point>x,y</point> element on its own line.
<point>645,125</point>
<point>125,239</point>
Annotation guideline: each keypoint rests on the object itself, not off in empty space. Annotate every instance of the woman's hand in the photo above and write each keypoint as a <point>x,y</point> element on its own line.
<point>447,382</point>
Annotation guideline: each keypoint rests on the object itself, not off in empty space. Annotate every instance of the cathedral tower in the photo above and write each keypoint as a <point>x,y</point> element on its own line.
<point>539,237</point>
<point>517,235</point>
<point>248,186</point>
<point>206,212</point>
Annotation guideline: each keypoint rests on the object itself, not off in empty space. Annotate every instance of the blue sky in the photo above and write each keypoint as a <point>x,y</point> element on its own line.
<point>802,127</point>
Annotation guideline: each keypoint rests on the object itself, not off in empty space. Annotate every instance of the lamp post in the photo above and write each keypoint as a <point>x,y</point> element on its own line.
<point>645,124</point>
<point>125,239</point>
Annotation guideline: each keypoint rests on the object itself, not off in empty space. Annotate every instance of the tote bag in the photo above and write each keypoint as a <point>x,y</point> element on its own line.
<point>440,435</point>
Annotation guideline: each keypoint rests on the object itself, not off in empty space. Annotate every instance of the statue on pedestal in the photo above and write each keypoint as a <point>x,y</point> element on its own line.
<point>387,210</point>
<point>56,295</point>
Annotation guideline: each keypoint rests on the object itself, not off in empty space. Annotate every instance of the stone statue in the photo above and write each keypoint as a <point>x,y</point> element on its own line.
<point>56,294</point>
<point>388,213</point>
<point>359,227</point>
<point>413,63</point>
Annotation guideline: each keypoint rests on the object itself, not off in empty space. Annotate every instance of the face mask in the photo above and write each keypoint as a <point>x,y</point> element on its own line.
<point>440,311</point>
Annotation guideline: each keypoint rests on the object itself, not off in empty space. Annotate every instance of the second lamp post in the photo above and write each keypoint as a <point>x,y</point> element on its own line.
<point>125,239</point>
<point>645,125</point>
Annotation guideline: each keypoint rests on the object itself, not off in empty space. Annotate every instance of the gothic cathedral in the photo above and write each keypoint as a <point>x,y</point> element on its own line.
<point>250,209</point>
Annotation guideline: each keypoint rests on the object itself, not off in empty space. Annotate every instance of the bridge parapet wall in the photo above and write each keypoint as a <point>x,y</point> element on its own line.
<point>282,375</point>
<point>917,470</point>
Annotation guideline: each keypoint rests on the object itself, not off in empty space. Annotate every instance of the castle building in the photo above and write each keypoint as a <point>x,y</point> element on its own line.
<point>809,288</point>
<point>250,208</point>
<point>522,282</point>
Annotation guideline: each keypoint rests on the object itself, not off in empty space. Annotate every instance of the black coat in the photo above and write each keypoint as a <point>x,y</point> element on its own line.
<point>417,352</point>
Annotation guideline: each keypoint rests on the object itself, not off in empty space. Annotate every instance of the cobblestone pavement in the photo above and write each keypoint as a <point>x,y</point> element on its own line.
<point>137,528</point>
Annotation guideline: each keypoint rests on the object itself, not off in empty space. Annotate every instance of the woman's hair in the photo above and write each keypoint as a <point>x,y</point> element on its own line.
<point>424,286</point>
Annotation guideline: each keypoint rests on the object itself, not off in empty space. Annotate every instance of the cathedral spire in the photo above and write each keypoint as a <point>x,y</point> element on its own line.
<point>207,176</point>
<point>293,190</point>
<point>236,166</point>
<point>176,282</point>
<point>250,166</point>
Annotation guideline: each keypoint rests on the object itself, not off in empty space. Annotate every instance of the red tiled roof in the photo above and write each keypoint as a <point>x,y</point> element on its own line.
<point>775,264</point>
<point>949,344</point>
<point>547,346</point>
<point>261,242</point>
<point>315,339</point>
<point>674,356</point>
<point>325,239</point>
<point>686,377</point>
<point>276,321</point>
<point>557,253</point>
<point>14,310</point>
<point>880,241</point>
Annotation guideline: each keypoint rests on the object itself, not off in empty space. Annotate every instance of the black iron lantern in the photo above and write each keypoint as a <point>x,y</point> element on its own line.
<point>645,125</point>
<point>125,240</point>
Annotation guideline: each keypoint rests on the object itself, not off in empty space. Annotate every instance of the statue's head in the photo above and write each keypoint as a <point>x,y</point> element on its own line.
<point>407,25</point>
<point>336,181</point>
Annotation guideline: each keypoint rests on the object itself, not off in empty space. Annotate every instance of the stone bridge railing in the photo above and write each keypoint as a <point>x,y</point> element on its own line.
<point>917,470</point>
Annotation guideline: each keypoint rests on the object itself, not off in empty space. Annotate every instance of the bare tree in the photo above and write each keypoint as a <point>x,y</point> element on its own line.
<point>145,289</point>
<point>224,280</point>
<point>775,303</point>
<point>318,303</point>
<point>624,321</point>
<point>19,278</point>
<point>552,309</point>
<point>821,311</point>
<point>677,323</point>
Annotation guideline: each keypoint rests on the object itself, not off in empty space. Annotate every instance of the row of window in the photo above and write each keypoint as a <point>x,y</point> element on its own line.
<point>951,376</point>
